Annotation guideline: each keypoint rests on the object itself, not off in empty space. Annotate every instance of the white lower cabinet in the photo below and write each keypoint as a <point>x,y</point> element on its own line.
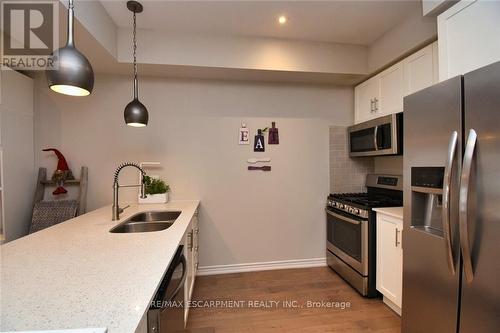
<point>390,260</point>
<point>191,254</point>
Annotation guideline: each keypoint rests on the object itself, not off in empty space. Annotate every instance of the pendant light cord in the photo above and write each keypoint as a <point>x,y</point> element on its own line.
<point>71,7</point>
<point>135,60</point>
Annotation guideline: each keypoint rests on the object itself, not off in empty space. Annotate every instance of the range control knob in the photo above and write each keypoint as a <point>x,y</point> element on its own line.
<point>341,206</point>
<point>355,210</point>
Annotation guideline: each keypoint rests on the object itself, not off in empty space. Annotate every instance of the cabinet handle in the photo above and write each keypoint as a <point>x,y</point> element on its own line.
<point>196,231</point>
<point>371,105</point>
<point>397,242</point>
<point>190,240</point>
<point>375,101</point>
<point>196,248</point>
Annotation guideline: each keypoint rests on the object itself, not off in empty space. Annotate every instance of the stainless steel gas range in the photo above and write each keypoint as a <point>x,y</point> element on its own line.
<point>351,227</point>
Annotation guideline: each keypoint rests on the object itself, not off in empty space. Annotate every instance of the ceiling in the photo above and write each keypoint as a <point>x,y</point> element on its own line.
<point>353,21</point>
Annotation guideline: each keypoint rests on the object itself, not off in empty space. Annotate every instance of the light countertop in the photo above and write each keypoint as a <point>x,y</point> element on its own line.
<point>396,212</point>
<point>83,330</point>
<point>77,274</point>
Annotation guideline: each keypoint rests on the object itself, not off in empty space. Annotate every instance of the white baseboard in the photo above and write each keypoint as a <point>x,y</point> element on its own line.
<point>261,266</point>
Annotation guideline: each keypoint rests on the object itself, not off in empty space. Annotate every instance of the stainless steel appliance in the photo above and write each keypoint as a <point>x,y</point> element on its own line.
<point>166,313</point>
<point>351,228</point>
<point>380,136</point>
<point>451,206</point>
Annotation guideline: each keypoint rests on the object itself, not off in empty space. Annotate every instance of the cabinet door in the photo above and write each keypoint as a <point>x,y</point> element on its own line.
<point>391,91</point>
<point>365,95</point>
<point>188,254</point>
<point>419,70</point>
<point>468,36</point>
<point>389,258</point>
<point>196,232</point>
<point>435,62</point>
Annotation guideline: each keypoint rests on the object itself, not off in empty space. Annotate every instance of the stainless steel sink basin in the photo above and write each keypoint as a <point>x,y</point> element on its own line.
<point>155,216</point>
<point>147,222</point>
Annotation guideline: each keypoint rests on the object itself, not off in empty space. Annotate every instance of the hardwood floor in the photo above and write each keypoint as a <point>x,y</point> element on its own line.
<point>299,285</point>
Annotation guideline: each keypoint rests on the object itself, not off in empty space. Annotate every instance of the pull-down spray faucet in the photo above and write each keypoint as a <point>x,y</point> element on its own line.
<point>116,209</point>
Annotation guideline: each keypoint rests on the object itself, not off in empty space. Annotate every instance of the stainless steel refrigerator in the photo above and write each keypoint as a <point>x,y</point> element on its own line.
<point>451,236</point>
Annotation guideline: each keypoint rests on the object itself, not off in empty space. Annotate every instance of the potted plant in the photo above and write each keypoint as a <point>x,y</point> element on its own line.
<point>156,190</point>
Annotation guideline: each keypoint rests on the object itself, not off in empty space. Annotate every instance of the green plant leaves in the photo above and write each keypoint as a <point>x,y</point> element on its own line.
<point>155,186</point>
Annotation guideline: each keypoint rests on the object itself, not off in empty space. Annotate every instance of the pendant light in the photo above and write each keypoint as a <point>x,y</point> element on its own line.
<point>73,74</point>
<point>135,113</point>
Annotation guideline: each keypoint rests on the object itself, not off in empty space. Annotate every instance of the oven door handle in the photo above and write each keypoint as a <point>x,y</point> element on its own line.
<point>344,218</point>
<point>182,281</point>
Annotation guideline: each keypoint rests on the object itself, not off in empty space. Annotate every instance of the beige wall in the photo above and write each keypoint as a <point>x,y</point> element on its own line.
<point>17,176</point>
<point>254,53</point>
<point>347,174</point>
<point>388,165</point>
<point>245,216</point>
<point>413,32</point>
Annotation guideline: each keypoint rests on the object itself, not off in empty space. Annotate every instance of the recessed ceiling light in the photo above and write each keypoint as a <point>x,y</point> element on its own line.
<point>282,19</point>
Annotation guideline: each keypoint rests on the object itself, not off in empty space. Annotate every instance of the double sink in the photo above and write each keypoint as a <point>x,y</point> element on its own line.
<point>147,222</point>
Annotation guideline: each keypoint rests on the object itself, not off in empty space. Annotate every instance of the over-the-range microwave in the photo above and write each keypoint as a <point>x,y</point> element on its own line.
<point>377,137</point>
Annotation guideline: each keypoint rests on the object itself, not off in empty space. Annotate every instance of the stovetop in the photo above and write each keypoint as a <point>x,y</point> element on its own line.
<point>366,200</point>
<point>360,204</point>
<point>382,191</point>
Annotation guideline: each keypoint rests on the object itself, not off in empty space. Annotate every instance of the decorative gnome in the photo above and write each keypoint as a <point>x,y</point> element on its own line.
<point>62,172</point>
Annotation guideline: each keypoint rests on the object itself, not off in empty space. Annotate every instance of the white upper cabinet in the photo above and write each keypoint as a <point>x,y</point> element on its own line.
<point>468,36</point>
<point>421,69</point>
<point>436,7</point>
<point>383,94</point>
<point>391,90</point>
<point>367,96</point>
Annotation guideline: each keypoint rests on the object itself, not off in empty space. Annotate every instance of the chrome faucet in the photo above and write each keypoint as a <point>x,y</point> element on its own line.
<point>116,209</point>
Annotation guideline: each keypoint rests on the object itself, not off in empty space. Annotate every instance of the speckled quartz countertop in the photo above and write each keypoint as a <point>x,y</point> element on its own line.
<point>396,212</point>
<point>77,274</point>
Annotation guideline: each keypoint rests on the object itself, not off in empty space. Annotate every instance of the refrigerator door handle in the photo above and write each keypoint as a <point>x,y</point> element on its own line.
<point>463,204</point>
<point>450,159</point>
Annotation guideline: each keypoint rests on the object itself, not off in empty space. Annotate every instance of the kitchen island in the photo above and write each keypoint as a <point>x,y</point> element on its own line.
<point>78,275</point>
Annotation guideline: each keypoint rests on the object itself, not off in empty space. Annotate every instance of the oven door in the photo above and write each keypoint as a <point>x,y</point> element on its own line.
<point>379,136</point>
<point>347,238</point>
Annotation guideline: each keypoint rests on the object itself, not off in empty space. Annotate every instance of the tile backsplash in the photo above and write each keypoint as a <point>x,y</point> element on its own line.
<point>346,174</point>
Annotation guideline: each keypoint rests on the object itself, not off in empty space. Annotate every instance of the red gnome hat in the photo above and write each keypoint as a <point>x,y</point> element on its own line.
<point>62,165</point>
<point>62,172</point>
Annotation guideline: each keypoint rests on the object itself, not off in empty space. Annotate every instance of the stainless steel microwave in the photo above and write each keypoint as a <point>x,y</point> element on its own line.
<point>377,137</point>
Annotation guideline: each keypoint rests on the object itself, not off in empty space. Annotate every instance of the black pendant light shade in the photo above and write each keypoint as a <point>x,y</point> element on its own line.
<point>73,74</point>
<point>135,113</point>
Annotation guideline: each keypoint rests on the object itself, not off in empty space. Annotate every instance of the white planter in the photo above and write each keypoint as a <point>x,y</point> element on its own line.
<point>154,198</point>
